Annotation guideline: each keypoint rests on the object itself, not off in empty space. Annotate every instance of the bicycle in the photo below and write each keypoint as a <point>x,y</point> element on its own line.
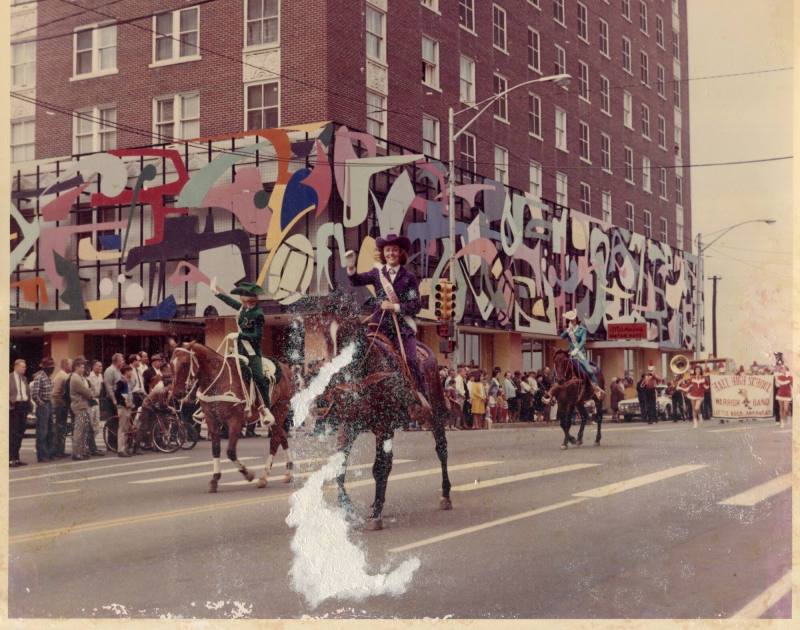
<point>167,434</point>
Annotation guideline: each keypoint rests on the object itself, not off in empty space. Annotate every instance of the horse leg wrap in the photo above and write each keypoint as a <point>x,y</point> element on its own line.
<point>289,465</point>
<point>216,465</point>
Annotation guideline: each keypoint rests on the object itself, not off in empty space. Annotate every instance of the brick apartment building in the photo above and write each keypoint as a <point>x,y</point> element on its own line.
<point>610,145</point>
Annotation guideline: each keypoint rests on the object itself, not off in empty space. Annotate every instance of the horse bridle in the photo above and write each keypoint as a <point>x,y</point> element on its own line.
<point>192,379</point>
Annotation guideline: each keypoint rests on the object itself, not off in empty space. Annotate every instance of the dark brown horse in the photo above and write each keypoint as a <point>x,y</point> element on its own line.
<point>222,397</point>
<point>374,393</point>
<point>572,390</point>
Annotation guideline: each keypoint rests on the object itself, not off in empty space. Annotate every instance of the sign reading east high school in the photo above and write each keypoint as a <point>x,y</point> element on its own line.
<point>743,396</point>
<point>626,331</point>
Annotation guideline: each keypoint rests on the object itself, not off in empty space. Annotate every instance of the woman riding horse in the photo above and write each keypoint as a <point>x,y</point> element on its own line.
<point>576,334</point>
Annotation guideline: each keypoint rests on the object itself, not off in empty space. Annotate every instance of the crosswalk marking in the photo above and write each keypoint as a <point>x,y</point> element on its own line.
<point>303,475</point>
<point>43,494</point>
<point>142,471</point>
<point>766,600</point>
<point>636,482</point>
<point>760,493</point>
<point>206,473</point>
<point>499,481</point>
<point>107,465</point>
<point>476,528</point>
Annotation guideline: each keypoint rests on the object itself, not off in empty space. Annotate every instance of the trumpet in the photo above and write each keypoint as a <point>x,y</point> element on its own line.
<point>679,364</point>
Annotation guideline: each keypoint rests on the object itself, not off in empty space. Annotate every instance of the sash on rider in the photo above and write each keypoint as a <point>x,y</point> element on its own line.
<point>388,289</point>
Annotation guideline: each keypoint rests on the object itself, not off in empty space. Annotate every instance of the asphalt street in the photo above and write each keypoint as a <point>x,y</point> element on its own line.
<point>659,521</point>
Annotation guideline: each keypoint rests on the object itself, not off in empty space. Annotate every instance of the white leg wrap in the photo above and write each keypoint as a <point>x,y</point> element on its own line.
<point>216,465</point>
<point>387,446</point>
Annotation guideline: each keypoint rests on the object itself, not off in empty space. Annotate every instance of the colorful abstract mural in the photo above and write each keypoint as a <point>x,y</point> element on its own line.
<point>139,233</point>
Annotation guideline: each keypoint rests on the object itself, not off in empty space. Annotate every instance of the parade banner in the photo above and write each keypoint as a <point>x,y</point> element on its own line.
<point>636,330</point>
<point>741,396</point>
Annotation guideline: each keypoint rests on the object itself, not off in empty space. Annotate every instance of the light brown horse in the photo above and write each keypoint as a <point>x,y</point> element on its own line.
<point>221,393</point>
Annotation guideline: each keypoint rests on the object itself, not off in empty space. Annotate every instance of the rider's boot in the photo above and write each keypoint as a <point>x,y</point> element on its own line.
<point>265,416</point>
<point>598,392</point>
<point>423,401</point>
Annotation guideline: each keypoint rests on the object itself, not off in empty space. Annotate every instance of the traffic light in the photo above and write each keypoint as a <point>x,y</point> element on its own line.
<point>444,305</point>
<point>446,330</point>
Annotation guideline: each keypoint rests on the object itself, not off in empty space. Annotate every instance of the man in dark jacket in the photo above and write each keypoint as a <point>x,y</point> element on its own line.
<point>41,393</point>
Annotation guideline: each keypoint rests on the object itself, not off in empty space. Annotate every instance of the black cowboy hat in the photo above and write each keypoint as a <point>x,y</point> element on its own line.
<point>247,289</point>
<point>393,239</point>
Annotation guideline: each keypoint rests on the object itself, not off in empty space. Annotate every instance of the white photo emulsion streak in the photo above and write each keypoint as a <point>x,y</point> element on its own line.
<point>301,402</point>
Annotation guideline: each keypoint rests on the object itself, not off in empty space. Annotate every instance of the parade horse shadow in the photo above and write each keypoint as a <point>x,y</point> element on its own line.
<point>374,393</point>
<point>572,390</point>
<point>221,394</point>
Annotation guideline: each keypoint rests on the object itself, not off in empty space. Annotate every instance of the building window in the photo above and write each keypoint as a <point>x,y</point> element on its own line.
<point>583,81</point>
<point>607,206</point>
<point>677,139</point>
<point>23,65</point>
<point>626,9</point>
<point>662,183</point>
<point>664,236</point>
<point>561,129</point>
<point>433,5</point>
<point>676,93</point>
<point>659,31</point>
<point>534,50</point>
<point>583,22</point>
<point>535,180</point>
<point>628,165</point>
<point>376,114</point>
<point>535,115</point>
<point>629,223</point>
<point>468,349</point>
<point>645,121</point>
<point>23,140</point>
<point>584,140</point>
<point>95,129</point>
<point>561,60</point>
<point>467,80</point>
<point>660,80</point>
<point>499,28</point>
<point>646,174</point>
<point>558,12</point>
<point>586,198</point>
<point>95,50</point>
<point>501,104</point>
<point>679,235</point>
<point>430,62</point>
<point>604,38</point>
<point>662,132</point>
<point>643,17</point>
<point>562,197</point>
<point>501,164</point>
<point>178,116</point>
<point>644,65</point>
<point>430,136</point>
<point>605,151</point>
<point>466,146</point>
<point>605,95</point>
<point>261,107</point>
<point>532,355</point>
<point>466,14</point>
<point>376,27</point>
<point>536,3</point>
<point>679,190</point>
<point>176,35</point>
<point>261,17</point>
<point>627,109</point>
<point>676,45</point>
<point>648,223</point>
<point>626,55</point>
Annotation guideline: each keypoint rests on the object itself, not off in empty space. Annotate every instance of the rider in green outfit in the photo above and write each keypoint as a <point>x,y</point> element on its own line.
<point>251,328</point>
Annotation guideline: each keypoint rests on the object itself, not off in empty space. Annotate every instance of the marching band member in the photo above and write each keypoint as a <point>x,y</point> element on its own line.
<point>695,389</point>
<point>784,382</point>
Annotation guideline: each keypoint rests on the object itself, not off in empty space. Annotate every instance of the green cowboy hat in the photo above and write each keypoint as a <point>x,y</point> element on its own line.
<point>247,289</point>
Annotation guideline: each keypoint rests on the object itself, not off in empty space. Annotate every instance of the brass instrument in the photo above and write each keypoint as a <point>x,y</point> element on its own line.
<point>679,364</point>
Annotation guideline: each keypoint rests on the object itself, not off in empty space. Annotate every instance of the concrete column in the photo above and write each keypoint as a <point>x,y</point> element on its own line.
<point>508,351</point>
<point>66,345</point>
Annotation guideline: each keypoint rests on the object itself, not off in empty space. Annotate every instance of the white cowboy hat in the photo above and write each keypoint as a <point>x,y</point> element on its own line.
<point>573,314</point>
<point>651,368</point>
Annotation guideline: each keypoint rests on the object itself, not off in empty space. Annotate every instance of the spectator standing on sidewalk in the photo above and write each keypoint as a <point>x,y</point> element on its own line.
<point>136,382</point>
<point>650,382</point>
<point>477,396</point>
<point>60,410</point>
<point>42,394</point>
<point>81,398</point>
<point>617,394</point>
<point>463,393</point>
<point>95,380</point>
<point>112,374</point>
<point>510,390</point>
<point>19,404</point>
<point>124,409</point>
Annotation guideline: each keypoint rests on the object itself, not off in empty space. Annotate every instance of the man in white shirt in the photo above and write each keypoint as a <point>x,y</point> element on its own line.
<point>19,404</point>
<point>136,382</point>
<point>95,380</point>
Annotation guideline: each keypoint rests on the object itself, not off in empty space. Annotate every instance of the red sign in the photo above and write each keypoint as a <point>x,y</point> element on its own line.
<point>626,331</point>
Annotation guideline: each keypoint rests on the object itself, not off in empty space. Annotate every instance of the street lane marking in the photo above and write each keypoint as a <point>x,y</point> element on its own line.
<point>303,475</point>
<point>142,471</point>
<point>421,473</point>
<point>749,427</point>
<point>766,600</point>
<point>43,494</point>
<point>83,470</point>
<point>499,481</point>
<point>476,528</point>
<point>144,518</point>
<point>760,493</point>
<point>206,474</point>
<point>784,431</point>
<point>636,482</point>
<point>670,429</point>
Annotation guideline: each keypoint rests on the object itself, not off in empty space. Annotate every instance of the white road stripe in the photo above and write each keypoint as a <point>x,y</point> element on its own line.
<point>138,462</point>
<point>766,600</point>
<point>636,482</point>
<point>784,431</point>
<point>486,525</point>
<point>43,494</point>
<point>499,481</point>
<point>749,427</point>
<point>206,473</point>
<point>141,471</point>
<point>422,473</point>
<point>670,429</point>
<point>303,475</point>
<point>760,493</point>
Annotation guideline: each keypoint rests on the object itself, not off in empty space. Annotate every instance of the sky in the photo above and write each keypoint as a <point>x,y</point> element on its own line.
<point>744,118</point>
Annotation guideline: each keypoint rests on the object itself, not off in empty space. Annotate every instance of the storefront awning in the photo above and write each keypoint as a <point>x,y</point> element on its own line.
<point>631,344</point>
<point>105,326</point>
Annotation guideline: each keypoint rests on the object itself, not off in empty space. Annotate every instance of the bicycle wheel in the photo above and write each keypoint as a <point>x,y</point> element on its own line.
<point>168,433</point>
<point>192,435</point>
<point>110,433</point>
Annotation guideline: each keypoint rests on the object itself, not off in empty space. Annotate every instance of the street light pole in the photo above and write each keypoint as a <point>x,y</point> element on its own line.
<point>452,136</point>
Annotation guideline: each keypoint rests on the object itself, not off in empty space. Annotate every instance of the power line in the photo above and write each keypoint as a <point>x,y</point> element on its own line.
<point>54,21</point>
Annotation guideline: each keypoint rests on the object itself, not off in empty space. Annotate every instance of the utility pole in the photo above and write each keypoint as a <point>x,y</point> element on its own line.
<point>714,314</point>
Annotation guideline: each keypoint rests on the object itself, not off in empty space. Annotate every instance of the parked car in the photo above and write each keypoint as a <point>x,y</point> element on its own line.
<point>629,408</point>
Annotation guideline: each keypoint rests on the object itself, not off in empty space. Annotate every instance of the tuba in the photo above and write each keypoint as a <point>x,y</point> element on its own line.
<point>679,364</point>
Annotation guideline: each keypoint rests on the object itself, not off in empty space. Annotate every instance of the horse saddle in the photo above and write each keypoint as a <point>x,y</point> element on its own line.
<point>423,352</point>
<point>272,373</point>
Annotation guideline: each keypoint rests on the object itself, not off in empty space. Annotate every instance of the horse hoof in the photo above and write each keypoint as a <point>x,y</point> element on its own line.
<point>579,443</point>
<point>249,476</point>
<point>212,486</point>
<point>374,525</point>
<point>445,503</point>
<point>572,440</point>
<point>261,483</point>
<point>563,447</point>
<point>287,478</point>
<point>597,442</point>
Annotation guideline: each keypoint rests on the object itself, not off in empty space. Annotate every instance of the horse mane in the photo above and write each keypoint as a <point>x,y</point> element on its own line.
<point>206,354</point>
